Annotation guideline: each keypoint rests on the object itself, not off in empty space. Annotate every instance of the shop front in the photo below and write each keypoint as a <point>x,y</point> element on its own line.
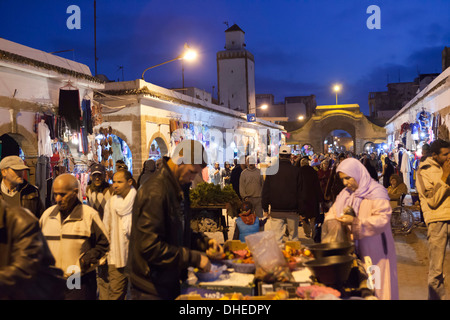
<point>47,121</point>
<point>424,119</point>
<point>421,121</point>
<point>154,120</point>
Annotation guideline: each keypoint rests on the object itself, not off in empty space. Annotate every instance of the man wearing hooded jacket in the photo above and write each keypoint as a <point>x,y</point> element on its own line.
<point>434,194</point>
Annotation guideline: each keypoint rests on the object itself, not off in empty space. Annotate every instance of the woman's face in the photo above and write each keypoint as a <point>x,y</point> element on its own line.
<point>349,182</point>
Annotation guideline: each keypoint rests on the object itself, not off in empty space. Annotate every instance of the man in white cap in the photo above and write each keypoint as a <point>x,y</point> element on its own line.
<point>15,190</point>
<point>282,192</point>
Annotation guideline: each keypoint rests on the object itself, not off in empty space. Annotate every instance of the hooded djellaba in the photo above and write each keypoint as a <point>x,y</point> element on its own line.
<point>148,171</point>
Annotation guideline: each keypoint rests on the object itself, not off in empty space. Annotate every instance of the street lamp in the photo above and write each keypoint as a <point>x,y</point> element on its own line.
<point>187,54</point>
<point>262,107</point>
<point>336,89</point>
<point>301,117</point>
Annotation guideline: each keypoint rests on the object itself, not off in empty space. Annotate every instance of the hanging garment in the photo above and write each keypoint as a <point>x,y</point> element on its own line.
<point>43,173</point>
<point>406,169</point>
<point>69,108</point>
<point>50,122</point>
<point>87,115</point>
<point>415,131</point>
<point>44,141</point>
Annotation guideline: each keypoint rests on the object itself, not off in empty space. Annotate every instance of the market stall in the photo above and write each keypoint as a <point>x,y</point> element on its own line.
<point>208,201</point>
<point>292,271</point>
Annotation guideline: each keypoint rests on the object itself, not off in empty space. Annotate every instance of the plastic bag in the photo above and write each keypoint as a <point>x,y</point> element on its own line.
<point>271,266</point>
<point>334,231</point>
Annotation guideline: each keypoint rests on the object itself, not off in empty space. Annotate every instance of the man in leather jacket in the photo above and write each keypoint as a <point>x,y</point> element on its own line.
<point>27,267</point>
<point>15,190</point>
<point>162,245</point>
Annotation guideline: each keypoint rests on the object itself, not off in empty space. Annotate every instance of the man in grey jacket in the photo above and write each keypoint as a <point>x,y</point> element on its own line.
<point>250,185</point>
<point>434,190</point>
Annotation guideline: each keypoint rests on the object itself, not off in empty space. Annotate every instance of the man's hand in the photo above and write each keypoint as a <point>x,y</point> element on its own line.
<point>215,250</point>
<point>205,264</point>
<point>345,219</point>
<point>446,170</point>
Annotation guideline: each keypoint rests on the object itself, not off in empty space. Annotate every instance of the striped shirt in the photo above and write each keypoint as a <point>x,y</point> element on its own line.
<point>97,197</point>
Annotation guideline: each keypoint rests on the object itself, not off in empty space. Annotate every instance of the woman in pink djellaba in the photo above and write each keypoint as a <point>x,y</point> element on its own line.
<point>362,208</point>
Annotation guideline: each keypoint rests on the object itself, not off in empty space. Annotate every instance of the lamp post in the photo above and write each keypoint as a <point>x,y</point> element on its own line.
<point>188,54</point>
<point>336,89</point>
<point>261,107</point>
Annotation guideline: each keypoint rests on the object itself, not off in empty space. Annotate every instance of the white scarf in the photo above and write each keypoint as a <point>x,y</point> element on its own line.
<point>123,206</point>
<point>117,220</point>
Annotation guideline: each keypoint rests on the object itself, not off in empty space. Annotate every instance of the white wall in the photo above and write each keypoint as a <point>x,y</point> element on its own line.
<point>232,84</point>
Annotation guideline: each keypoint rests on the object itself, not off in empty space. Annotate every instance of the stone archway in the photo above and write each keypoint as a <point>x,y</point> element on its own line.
<point>27,141</point>
<point>133,148</point>
<point>337,117</point>
<point>162,143</point>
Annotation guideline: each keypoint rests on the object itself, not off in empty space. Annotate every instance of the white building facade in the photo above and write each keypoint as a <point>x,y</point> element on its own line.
<point>424,118</point>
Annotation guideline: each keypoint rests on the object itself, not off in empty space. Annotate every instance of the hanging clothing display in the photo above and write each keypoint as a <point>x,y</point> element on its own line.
<point>96,113</point>
<point>405,168</point>
<point>69,108</point>
<point>87,116</point>
<point>43,173</point>
<point>50,122</point>
<point>415,131</point>
<point>44,141</point>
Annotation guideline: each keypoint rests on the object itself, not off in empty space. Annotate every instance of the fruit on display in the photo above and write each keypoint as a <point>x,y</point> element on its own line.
<point>277,295</point>
<point>293,255</point>
<point>313,291</point>
<point>245,260</point>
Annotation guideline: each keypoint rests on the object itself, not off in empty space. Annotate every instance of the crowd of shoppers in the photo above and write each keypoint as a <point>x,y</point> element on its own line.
<point>132,240</point>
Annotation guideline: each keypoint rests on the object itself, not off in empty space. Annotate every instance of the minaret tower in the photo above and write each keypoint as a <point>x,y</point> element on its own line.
<point>236,73</point>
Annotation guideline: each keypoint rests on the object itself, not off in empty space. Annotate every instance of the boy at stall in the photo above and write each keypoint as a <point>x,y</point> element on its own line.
<point>247,223</point>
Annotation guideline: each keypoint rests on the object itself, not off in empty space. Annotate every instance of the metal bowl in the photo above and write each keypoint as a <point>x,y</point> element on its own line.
<point>320,250</point>
<point>332,270</point>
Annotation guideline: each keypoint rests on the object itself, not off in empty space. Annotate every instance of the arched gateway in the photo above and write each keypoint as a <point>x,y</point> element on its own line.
<point>345,117</point>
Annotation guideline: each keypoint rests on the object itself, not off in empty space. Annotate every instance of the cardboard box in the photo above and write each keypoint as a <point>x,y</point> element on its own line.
<point>294,244</point>
<point>234,245</point>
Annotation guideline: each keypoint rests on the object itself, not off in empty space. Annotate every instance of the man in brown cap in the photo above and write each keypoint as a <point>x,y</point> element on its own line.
<point>15,190</point>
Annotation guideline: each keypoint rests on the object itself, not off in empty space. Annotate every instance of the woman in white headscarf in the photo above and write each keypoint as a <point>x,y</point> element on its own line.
<point>363,208</point>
